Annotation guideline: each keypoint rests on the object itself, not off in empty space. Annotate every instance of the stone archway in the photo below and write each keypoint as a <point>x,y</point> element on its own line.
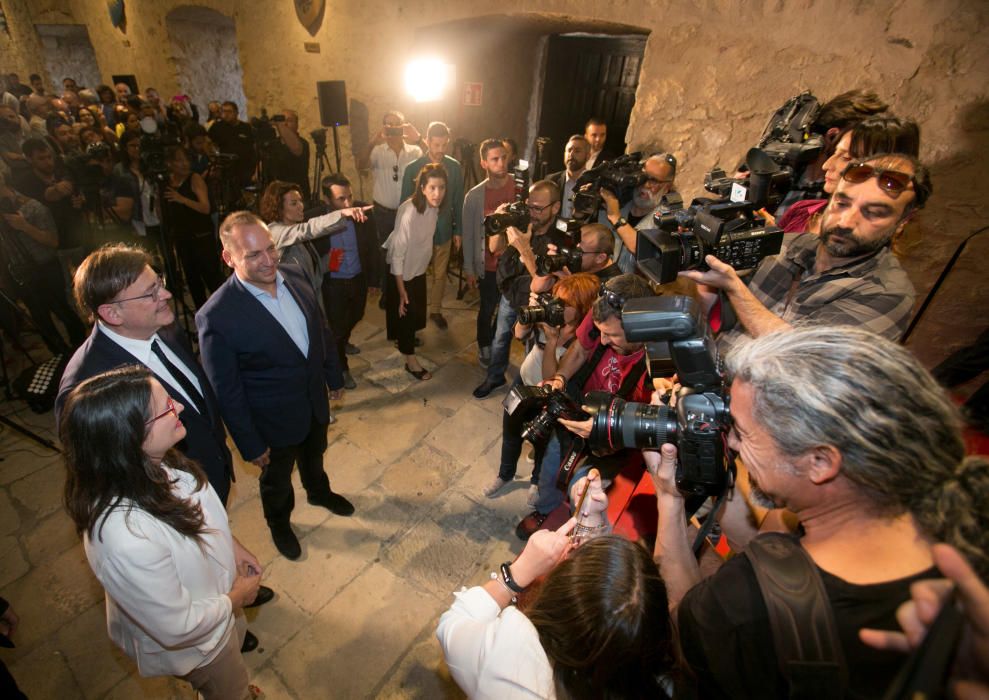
<point>68,53</point>
<point>206,58</point>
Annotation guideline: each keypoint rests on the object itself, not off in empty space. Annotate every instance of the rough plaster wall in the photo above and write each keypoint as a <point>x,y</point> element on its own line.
<point>71,57</point>
<point>707,85</point>
<point>207,62</point>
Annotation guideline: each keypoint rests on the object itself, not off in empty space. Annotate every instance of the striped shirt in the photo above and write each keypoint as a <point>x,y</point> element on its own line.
<point>873,293</point>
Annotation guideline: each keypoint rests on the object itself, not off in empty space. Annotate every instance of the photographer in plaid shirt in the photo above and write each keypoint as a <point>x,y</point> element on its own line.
<point>847,275</point>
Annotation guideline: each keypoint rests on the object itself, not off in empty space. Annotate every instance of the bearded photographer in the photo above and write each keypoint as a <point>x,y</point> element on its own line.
<point>850,433</point>
<point>660,172</point>
<point>602,359</point>
<point>290,154</point>
<point>595,247</point>
<point>846,276</point>
<point>517,253</point>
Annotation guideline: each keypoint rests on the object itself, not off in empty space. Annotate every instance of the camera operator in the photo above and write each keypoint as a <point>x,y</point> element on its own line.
<point>111,201</point>
<point>575,160</point>
<point>290,155</point>
<point>864,139</point>
<point>231,135</point>
<point>572,299</point>
<point>596,244</point>
<point>850,433</point>
<point>660,171</point>
<point>516,266</point>
<point>602,359</point>
<point>145,218</point>
<point>28,241</point>
<point>846,276</point>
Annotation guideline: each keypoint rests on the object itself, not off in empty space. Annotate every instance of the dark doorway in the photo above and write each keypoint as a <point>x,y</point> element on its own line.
<point>585,77</point>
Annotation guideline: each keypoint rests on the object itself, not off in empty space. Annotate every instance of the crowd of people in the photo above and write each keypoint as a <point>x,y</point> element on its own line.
<point>850,456</point>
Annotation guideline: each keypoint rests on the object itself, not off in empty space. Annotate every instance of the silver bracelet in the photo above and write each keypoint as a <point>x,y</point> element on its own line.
<point>495,576</point>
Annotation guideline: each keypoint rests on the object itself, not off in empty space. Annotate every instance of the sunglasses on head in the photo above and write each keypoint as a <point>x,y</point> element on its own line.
<point>893,182</point>
<point>613,299</point>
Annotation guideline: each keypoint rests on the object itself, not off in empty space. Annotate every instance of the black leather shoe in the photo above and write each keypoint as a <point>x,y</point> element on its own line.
<point>250,643</point>
<point>334,502</point>
<point>487,387</point>
<point>286,541</point>
<point>264,595</point>
<point>352,349</point>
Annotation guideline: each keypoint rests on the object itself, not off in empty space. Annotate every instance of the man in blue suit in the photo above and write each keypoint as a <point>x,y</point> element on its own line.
<point>270,358</point>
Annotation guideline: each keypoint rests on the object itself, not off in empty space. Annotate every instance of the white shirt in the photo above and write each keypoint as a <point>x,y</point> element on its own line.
<point>493,653</point>
<point>410,246</point>
<point>141,350</point>
<point>387,169</point>
<point>285,310</point>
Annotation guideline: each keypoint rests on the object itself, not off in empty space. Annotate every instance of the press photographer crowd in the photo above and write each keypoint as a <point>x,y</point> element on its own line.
<point>742,483</point>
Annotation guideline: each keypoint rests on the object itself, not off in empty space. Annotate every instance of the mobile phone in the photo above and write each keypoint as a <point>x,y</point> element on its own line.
<point>394,131</point>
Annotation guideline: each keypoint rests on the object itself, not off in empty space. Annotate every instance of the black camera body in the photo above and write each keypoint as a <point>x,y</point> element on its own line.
<point>570,258</point>
<point>699,422</point>
<point>540,407</point>
<point>620,176</point>
<point>548,309</point>
<point>731,231</point>
<point>517,213</point>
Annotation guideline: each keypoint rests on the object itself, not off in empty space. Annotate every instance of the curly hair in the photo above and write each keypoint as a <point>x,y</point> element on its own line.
<point>272,206</point>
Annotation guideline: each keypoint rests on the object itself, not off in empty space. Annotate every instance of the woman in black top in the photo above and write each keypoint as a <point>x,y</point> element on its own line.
<point>189,226</point>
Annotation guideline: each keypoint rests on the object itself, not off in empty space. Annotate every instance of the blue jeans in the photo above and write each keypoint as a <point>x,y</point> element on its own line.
<point>549,496</point>
<point>511,445</point>
<point>501,345</point>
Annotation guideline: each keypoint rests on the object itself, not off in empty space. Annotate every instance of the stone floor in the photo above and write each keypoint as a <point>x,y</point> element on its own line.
<point>355,616</point>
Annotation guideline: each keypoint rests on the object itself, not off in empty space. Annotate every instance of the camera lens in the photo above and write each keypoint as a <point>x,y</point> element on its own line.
<point>619,424</point>
<point>539,428</point>
<point>531,314</point>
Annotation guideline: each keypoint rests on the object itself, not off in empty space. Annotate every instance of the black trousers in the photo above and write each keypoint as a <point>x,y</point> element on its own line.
<point>344,301</point>
<point>200,263</point>
<point>403,328</point>
<point>487,313</point>
<point>277,496</point>
<point>45,296</point>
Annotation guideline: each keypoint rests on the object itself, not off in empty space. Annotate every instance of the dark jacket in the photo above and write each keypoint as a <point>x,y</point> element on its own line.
<point>205,439</point>
<point>269,393</point>
<point>367,243</point>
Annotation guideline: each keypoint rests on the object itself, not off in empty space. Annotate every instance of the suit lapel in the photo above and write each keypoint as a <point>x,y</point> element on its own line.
<point>253,304</point>
<point>306,313</point>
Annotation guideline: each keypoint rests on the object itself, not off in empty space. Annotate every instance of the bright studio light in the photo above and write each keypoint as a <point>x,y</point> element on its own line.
<point>427,79</point>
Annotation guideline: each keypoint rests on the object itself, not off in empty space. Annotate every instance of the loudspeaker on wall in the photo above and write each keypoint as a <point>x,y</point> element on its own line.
<point>332,96</point>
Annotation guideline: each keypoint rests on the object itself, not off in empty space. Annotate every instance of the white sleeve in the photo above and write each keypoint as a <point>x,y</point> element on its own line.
<point>139,574</point>
<point>399,240</point>
<point>287,235</point>
<point>466,634</point>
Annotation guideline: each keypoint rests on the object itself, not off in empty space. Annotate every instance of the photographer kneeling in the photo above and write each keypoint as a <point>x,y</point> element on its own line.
<point>602,360</point>
<point>849,432</point>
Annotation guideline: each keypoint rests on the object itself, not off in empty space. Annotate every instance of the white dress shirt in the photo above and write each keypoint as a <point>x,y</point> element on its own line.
<point>493,653</point>
<point>141,350</point>
<point>410,246</point>
<point>285,310</point>
<point>387,169</point>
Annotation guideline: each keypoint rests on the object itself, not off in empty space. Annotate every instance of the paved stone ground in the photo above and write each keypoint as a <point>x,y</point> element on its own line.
<point>355,616</point>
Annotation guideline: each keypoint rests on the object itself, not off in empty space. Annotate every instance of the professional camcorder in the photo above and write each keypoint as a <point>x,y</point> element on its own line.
<point>154,141</point>
<point>548,309</point>
<point>540,407</point>
<point>264,132</point>
<point>698,424</point>
<point>620,176</point>
<point>517,213</point>
<point>731,231</point>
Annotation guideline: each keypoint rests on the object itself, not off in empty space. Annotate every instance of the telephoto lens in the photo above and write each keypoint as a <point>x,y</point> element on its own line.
<point>620,424</point>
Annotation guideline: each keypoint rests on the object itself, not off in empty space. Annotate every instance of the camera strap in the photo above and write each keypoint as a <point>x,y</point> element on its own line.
<point>805,634</point>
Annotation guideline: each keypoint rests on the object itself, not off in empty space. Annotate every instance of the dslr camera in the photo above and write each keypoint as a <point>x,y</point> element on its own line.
<point>698,424</point>
<point>540,407</point>
<point>548,309</point>
<point>731,231</point>
<point>570,258</point>
<point>517,213</point>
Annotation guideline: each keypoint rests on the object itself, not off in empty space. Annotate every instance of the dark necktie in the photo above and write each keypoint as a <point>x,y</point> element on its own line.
<point>187,386</point>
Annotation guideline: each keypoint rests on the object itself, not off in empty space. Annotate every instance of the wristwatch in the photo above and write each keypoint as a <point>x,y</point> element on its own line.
<point>621,222</point>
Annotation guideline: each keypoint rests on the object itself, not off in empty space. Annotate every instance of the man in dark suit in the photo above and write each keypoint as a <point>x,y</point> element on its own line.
<point>135,324</point>
<point>575,160</point>
<point>270,358</point>
<point>349,259</point>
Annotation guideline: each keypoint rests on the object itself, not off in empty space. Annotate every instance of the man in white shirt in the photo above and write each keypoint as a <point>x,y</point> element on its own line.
<point>397,144</point>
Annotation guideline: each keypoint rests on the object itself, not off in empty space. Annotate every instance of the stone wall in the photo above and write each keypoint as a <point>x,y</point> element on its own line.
<point>713,72</point>
<point>204,49</point>
<point>69,53</point>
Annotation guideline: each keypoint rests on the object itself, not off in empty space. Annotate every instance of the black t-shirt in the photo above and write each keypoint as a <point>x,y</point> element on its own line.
<point>727,641</point>
<point>513,277</point>
<point>606,273</point>
<point>67,218</point>
<point>289,167</point>
<point>237,139</point>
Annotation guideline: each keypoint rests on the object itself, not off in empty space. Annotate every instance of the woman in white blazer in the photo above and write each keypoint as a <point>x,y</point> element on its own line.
<point>156,534</point>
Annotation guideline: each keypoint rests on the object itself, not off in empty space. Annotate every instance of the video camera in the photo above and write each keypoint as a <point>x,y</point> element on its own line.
<point>731,231</point>
<point>540,407</point>
<point>698,424</point>
<point>548,309</point>
<point>264,132</point>
<point>517,213</point>
<point>620,176</point>
<point>154,141</point>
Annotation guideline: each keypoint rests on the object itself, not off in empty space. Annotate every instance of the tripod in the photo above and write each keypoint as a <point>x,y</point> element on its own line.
<point>319,138</point>
<point>5,378</point>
